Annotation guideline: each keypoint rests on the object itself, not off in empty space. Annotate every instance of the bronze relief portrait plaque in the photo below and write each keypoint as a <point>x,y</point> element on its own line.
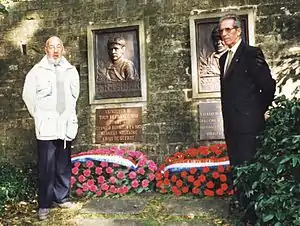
<point>116,64</point>
<point>207,48</point>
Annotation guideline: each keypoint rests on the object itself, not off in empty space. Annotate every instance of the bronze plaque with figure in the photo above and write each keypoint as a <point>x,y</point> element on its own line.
<point>206,50</point>
<point>116,68</point>
<point>118,125</point>
<point>211,122</point>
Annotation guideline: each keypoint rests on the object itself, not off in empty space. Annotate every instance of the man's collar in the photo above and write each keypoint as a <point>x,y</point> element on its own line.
<point>64,64</point>
<point>235,46</point>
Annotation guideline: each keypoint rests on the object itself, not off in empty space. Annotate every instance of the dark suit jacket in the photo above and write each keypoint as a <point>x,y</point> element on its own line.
<point>247,90</point>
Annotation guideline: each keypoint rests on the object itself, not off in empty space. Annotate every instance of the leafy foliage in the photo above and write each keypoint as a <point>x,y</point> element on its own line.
<point>272,181</point>
<point>16,184</point>
<point>288,69</point>
<point>3,8</point>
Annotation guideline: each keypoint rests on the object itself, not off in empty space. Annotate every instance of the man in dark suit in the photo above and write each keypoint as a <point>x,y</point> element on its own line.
<point>247,90</point>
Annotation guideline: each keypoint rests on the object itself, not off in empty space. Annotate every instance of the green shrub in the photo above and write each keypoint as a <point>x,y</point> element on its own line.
<point>16,184</point>
<point>272,181</point>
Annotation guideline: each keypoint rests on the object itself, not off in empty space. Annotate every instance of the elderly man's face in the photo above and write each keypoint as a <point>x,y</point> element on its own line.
<point>229,33</point>
<point>116,51</point>
<point>54,49</point>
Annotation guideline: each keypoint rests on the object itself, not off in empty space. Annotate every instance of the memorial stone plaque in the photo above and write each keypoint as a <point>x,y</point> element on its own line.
<point>211,121</point>
<point>209,84</point>
<point>119,125</point>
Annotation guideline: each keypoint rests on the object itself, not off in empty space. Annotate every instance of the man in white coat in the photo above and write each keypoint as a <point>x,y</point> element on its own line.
<point>50,93</point>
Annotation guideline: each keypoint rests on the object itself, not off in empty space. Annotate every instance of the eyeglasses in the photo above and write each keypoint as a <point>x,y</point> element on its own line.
<point>226,29</point>
<point>52,47</point>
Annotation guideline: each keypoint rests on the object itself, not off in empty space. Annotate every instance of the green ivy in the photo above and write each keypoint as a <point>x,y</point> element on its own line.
<point>16,184</point>
<point>271,182</point>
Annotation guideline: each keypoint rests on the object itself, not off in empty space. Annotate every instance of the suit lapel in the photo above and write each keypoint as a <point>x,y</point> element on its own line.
<point>222,63</point>
<point>235,60</point>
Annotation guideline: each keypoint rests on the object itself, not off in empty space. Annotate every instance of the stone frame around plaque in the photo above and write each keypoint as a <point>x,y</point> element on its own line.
<point>207,84</point>
<point>110,80</point>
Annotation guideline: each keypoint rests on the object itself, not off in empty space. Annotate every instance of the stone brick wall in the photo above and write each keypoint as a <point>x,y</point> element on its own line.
<point>169,120</point>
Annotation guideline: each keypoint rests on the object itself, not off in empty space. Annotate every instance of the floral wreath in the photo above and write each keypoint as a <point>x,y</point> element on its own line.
<point>201,171</point>
<point>112,171</point>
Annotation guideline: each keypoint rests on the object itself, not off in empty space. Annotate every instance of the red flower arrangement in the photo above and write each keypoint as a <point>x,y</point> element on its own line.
<point>114,171</point>
<point>200,171</point>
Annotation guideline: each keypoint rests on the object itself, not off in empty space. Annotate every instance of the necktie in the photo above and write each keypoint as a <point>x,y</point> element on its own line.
<point>229,58</point>
<point>60,104</point>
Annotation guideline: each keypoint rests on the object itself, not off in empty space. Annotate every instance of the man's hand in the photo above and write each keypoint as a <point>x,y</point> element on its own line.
<point>267,115</point>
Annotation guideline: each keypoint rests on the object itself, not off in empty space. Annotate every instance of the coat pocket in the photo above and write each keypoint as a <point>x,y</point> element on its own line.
<point>44,89</point>
<point>72,128</point>
<point>47,127</point>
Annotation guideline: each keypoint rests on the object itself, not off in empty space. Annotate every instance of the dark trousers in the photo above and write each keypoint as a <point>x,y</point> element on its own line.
<point>54,171</point>
<point>242,148</point>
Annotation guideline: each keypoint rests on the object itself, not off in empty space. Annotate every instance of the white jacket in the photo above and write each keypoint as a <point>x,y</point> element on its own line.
<point>39,95</point>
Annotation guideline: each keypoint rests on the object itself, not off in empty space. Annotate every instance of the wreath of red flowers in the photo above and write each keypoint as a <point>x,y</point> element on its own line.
<point>201,171</point>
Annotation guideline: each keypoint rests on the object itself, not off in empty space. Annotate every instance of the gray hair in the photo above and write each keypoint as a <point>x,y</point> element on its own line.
<point>234,17</point>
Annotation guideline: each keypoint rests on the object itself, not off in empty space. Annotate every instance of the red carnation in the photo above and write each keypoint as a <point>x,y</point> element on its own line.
<point>89,164</point>
<point>215,175</point>
<point>183,174</point>
<point>109,170</point>
<point>85,187</point>
<point>145,183</point>
<point>81,178</point>
<point>221,169</point>
<point>173,178</point>
<point>101,179</point>
<point>197,183</point>
<point>202,178</point>
<point>208,192</point>
<point>166,174</point>
<point>191,179</point>
<point>193,170</point>
<point>159,184</point>
<point>205,169</point>
<point>185,189</point>
<point>158,176</point>
<point>93,188</point>
<point>219,192</point>
<point>224,186</point>
<point>121,175</point>
<point>90,182</point>
<point>98,170</point>
<point>77,164</point>
<point>79,192</point>
<point>75,170</point>
<point>166,181</point>
<point>195,191</point>
<point>223,178</point>
<point>210,184</point>
<point>87,172</point>
<point>179,183</point>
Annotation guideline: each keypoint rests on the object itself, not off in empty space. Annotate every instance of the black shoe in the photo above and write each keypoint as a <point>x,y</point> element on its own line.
<point>250,217</point>
<point>235,208</point>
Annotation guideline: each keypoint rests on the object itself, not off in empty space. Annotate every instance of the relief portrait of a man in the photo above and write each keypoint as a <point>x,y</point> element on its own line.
<point>119,68</point>
<point>208,64</point>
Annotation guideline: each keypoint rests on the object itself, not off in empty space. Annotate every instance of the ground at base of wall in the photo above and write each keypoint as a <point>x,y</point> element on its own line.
<point>142,210</point>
